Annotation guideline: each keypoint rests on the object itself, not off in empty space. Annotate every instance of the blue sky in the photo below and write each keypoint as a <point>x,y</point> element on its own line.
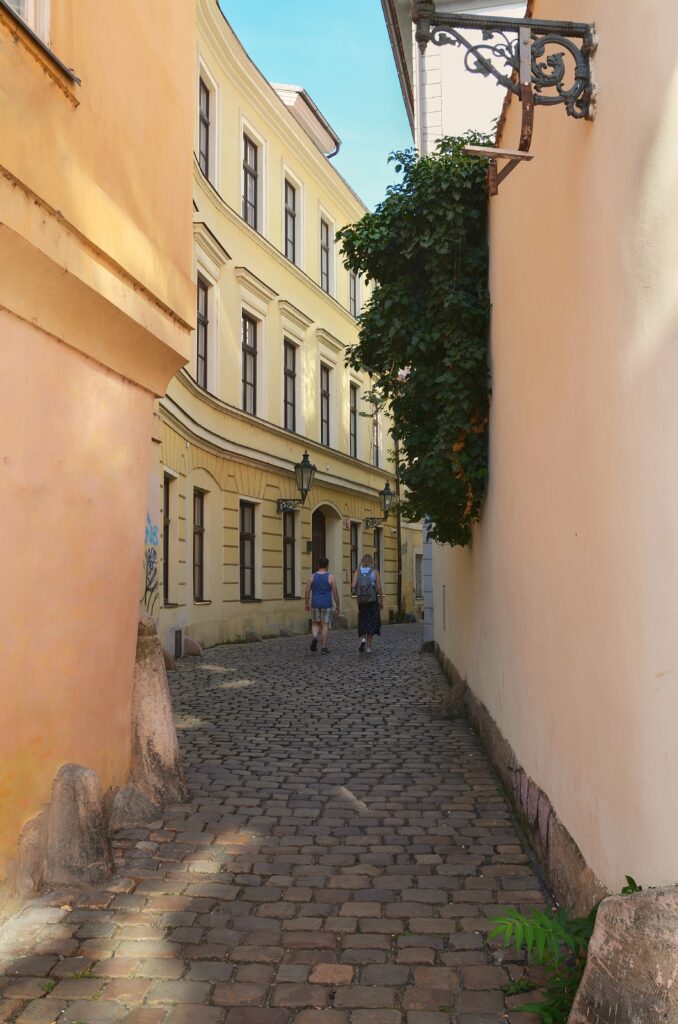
<point>340,53</point>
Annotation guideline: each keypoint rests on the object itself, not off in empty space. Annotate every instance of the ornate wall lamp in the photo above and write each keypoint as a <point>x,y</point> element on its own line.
<point>387,497</point>
<point>304,471</point>
<point>543,63</point>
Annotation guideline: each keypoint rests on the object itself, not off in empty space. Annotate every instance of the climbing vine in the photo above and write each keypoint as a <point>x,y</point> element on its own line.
<point>423,331</point>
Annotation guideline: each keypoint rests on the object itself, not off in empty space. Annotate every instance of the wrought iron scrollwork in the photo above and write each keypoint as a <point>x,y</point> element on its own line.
<point>560,53</point>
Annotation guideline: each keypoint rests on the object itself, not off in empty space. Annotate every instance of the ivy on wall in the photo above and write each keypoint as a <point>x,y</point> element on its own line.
<point>423,332</point>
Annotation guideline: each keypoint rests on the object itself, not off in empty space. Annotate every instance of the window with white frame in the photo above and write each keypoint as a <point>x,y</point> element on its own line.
<point>325,261</point>
<point>289,555</point>
<point>291,222</point>
<point>376,437</point>
<point>290,386</point>
<point>202,332</point>
<point>353,305</point>
<point>35,14</point>
<point>325,403</point>
<point>379,549</point>
<point>247,551</point>
<point>353,421</point>
<point>249,364</point>
<point>250,188</point>
<point>204,125</point>
<point>198,544</point>
<point>354,546</point>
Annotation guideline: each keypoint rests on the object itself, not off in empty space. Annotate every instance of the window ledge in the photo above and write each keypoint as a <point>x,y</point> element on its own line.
<point>251,600</point>
<point>291,597</point>
<point>202,602</point>
<point>171,604</point>
<point>64,77</point>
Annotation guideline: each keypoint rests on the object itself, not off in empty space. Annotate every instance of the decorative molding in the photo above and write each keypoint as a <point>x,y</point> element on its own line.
<point>294,315</point>
<point>210,244</point>
<point>254,285</point>
<point>330,340</point>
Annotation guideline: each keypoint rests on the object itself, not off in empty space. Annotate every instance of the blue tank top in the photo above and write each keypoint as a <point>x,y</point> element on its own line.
<point>322,590</point>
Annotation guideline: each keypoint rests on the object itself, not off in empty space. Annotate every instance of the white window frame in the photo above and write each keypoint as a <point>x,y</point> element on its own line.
<point>294,324</point>
<point>355,382</point>
<point>289,175</point>
<point>258,545</point>
<point>247,128</point>
<point>210,81</point>
<point>358,293</point>
<point>298,526</point>
<point>323,215</point>
<point>328,359</point>
<point>37,15</point>
<point>209,260</point>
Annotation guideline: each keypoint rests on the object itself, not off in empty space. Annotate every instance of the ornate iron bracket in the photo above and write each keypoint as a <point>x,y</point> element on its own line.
<point>373,521</point>
<point>288,504</point>
<point>559,53</point>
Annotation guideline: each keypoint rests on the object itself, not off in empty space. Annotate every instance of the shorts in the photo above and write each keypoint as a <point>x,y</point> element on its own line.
<point>321,615</point>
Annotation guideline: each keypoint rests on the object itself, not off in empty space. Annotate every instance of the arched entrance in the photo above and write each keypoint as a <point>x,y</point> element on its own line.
<point>319,538</point>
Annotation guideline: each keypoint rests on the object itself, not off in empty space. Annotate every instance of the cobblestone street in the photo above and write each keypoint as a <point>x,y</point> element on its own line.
<point>343,851</point>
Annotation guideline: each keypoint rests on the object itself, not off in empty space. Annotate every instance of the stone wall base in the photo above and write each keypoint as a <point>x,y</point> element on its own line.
<point>572,881</point>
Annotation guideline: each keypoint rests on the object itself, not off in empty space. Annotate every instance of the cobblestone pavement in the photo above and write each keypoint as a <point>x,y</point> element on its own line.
<point>340,859</point>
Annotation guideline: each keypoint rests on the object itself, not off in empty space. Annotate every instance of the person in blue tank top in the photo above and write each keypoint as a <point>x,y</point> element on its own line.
<point>320,590</point>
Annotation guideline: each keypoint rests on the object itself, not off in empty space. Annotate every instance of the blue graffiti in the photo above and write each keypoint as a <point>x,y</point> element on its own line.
<point>151,531</point>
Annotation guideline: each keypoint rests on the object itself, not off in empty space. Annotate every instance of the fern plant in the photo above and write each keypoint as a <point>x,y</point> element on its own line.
<point>557,941</point>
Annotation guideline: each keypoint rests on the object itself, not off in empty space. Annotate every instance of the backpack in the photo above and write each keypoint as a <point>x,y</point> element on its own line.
<point>366,588</point>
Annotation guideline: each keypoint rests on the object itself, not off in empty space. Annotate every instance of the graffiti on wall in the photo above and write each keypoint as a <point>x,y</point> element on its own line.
<point>149,597</point>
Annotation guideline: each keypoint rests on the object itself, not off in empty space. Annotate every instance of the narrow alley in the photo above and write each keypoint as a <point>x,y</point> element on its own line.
<point>343,851</point>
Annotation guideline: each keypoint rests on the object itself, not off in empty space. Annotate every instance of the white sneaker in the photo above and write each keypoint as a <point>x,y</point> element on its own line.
<point>361,645</point>
<point>368,651</point>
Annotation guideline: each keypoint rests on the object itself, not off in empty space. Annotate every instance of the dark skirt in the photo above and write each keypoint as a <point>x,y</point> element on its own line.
<point>369,619</point>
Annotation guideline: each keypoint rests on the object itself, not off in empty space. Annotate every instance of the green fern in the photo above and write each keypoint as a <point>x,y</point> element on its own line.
<point>553,939</point>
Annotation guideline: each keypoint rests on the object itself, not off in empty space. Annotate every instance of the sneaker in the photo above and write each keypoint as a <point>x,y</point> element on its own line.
<point>368,651</point>
<point>314,643</point>
<point>324,650</point>
<point>361,645</point>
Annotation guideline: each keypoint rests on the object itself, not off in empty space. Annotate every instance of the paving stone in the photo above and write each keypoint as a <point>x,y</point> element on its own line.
<point>85,1012</point>
<point>342,836</point>
<point>43,1011</point>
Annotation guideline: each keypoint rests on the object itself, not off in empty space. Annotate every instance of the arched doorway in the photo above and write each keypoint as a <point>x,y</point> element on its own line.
<point>319,538</point>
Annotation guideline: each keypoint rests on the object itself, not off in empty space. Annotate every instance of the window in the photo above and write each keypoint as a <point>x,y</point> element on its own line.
<point>376,438</point>
<point>35,14</point>
<point>166,522</point>
<point>250,183</point>
<point>325,256</point>
<point>378,548</point>
<point>289,555</point>
<point>354,541</point>
<point>204,129</point>
<point>290,384</point>
<point>353,293</point>
<point>290,222</point>
<point>249,364</point>
<point>202,332</point>
<point>198,545</point>
<point>353,422</point>
<point>418,576</point>
<point>247,548</point>
<point>324,405</point>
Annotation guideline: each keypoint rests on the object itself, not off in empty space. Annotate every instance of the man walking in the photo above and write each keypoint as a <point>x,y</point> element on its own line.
<point>320,589</point>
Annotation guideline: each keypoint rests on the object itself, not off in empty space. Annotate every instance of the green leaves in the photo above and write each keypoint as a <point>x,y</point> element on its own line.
<point>425,249</point>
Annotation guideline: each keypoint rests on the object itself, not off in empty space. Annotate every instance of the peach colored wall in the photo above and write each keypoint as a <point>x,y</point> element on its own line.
<point>563,614</point>
<point>73,470</point>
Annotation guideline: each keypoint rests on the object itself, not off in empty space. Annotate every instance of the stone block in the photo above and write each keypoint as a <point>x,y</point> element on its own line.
<point>31,856</point>
<point>192,648</point>
<point>632,965</point>
<point>130,808</point>
<point>77,846</point>
<point>156,767</point>
<point>252,637</point>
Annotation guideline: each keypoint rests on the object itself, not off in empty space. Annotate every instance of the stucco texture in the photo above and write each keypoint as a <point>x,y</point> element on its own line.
<point>562,614</point>
<point>73,469</point>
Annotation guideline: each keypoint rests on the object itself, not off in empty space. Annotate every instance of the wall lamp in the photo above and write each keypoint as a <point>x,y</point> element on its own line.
<point>304,471</point>
<point>387,497</point>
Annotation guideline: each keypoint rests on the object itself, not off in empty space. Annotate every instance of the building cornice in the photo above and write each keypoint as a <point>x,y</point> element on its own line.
<point>255,285</point>
<point>209,242</point>
<point>295,315</point>
<point>330,340</point>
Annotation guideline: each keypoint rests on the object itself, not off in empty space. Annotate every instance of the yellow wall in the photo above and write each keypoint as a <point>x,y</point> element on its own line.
<point>562,614</point>
<point>96,304</point>
<point>205,440</point>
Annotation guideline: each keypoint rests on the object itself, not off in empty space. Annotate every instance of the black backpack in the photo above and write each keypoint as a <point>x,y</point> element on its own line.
<point>366,588</point>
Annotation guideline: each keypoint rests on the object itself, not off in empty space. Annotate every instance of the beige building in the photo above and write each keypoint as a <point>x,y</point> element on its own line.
<point>266,380</point>
<point>96,307</point>
<point>561,615</point>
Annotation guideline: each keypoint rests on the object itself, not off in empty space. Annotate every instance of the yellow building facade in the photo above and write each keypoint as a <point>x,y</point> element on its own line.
<point>266,380</point>
<point>96,309</point>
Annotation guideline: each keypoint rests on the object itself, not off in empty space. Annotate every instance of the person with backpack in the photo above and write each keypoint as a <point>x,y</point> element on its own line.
<point>320,590</point>
<point>367,588</point>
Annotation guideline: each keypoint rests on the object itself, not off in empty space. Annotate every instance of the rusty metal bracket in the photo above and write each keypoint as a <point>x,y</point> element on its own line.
<point>559,64</point>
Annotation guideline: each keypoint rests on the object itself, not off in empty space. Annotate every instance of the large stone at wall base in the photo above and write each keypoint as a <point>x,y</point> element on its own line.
<point>30,866</point>
<point>78,850</point>
<point>156,766</point>
<point>131,808</point>
<point>631,974</point>
<point>192,648</point>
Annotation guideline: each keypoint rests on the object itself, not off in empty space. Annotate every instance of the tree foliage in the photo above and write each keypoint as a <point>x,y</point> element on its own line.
<point>423,332</point>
